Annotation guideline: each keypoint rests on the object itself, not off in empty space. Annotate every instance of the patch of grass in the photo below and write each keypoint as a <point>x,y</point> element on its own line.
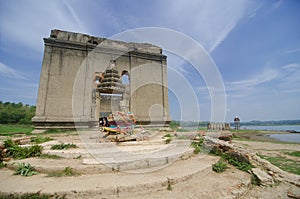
<point>62,146</point>
<point>40,139</point>
<point>283,163</point>
<point>219,167</point>
<point>293,153</point>
<point>50,156</point>
<point>68,171</point>
<point>241,139</point>
<point>25,169</point>
<point>249,140</point>
<point>245,131</point>
<point>13,129</point>
<point>237,162</point>
<point>17,152</point>
<point>37,195</point>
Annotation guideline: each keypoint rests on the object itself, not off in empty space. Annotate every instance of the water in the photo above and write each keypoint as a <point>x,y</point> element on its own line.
<point>291,137</point>
<point>274,128</point>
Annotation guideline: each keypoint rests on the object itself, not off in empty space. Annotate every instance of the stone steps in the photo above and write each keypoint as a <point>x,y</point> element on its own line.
<point>116,184</point>
<point>127,156</point>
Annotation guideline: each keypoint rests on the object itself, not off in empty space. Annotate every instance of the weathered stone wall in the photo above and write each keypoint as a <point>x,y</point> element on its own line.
<point>66,82</point>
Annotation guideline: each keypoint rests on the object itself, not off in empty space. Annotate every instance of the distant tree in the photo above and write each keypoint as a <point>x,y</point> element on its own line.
<point>12,113</point>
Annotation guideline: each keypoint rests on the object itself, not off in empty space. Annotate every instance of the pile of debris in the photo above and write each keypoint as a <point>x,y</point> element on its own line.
<point>121,127</point>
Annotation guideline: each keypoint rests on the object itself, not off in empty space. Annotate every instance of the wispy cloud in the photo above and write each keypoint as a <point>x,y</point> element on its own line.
<point>292,50</point>
<point>267,75</point>
<point>284,79</point>
<point>212,22</point>
<point>27,23</point>
<point>9,72</point>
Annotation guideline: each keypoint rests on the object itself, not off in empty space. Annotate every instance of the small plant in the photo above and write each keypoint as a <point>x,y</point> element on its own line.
<point>168,140</point>
<point>68,171</point>
<point>197,144</point>
<point>2,165</point>
<point>40,139</point>
<point>219,167</point>
<point>169,187</point>
<point>25,169</point>
<point>50,156</point>
<point>168,135</point>
<point>197,150</point>
<point>78,157</point>
<point>255,181</point>
<point>62,146</point>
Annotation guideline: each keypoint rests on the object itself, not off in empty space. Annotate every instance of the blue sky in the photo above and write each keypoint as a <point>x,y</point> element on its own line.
<point>254,44</point>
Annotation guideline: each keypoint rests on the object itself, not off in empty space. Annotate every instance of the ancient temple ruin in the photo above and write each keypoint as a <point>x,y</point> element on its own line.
<point>84,78</point>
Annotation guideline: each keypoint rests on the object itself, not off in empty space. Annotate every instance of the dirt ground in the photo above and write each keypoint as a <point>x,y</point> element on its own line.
<point>230,184</point>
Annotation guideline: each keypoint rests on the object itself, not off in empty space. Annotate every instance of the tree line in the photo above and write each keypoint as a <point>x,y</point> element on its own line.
<point>16,113</point>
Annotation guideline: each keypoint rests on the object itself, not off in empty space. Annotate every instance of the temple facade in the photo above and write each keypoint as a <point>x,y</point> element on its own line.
<point>84,78</point>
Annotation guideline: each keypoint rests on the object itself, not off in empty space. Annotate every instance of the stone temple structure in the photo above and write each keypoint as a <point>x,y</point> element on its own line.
<point>84,78</point>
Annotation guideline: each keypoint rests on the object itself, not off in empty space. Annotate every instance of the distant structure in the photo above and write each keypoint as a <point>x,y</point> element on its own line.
<point>236,121</point>
<point>84,78</point>
<point>218,126</point>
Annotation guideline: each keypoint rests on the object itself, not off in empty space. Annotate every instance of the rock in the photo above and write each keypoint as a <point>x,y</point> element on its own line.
<point>226,137</point>
<point>264,178</point>
<point>293,193</point>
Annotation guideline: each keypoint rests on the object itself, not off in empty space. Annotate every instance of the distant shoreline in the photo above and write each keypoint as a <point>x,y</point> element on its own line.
<point>261,135</point>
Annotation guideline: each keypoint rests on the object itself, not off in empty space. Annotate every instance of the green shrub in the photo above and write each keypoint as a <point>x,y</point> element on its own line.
<point>62,146</point>
<point>17,152</point>
<point>219,167</point>
<point>25,169</point>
